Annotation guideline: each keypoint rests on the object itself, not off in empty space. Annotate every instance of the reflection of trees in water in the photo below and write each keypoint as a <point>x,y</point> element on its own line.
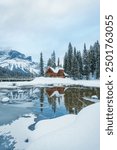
<point>53,102</point>
<point>88,92</point>
<point>41,99</point>
<point>72,98</point>
<point>59,100</point>
<point>71,101</point>
<point>54,96</point>
<point>19,94</point>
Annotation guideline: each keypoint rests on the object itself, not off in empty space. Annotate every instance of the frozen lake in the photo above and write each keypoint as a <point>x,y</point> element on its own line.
<point>42,103</point>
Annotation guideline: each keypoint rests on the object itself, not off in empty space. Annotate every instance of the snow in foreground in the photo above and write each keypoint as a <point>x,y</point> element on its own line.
<point>18,131</point>
<point>45,81</point>
<point>69,132</point>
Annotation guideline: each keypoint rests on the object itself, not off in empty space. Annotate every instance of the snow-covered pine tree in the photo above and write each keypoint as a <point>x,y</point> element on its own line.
<point>49,63</point>
<point>86,69</point>
<point>41,65</point>
<point>79,59</point>
<point>65,63</point>
<point>75,68</point>
<point>75,65</point>
<point>53,59</point>
<point>70,59</point>
<point>97,55</point>
<point>75,52</point>
<point>92,60</point>
<point>58,62</point>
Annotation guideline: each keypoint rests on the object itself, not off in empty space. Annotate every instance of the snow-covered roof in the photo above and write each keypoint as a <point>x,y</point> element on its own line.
<point>56,69</point>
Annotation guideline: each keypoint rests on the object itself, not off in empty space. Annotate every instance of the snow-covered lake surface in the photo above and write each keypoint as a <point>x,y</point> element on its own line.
<point>22,110</point>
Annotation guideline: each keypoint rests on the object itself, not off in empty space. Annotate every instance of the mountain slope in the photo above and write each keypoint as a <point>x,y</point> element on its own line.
<point>14,63</point>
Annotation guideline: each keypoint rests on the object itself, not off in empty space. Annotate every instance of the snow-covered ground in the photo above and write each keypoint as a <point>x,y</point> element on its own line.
<point>18,131</point>
<point>69,132</point>
<point>46,81</point>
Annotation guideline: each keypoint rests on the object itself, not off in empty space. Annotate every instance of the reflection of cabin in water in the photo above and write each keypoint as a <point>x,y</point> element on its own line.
<point>57,72</point>
<point>57,91</point>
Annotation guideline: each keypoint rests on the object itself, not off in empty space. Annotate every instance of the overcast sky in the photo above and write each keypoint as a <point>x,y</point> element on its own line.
<point>32,26</point>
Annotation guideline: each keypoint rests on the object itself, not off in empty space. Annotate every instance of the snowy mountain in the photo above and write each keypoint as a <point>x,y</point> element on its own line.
<point>15,63</point>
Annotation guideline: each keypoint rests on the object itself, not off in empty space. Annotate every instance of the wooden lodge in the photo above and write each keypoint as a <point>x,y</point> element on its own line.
<point>57,72</point>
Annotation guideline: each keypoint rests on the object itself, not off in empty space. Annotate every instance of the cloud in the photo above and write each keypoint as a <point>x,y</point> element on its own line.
<point>38,12</point>
<point>46,24</point>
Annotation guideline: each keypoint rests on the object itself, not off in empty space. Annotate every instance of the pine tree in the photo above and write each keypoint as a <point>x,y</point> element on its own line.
<point>58,62</point>
<point>79,59</point>
<point>53,59</point>
<point>86,69</point>
<point>65,63</point>
<point>70,59</point>
<point>75,65</point>
<point>41,65</point>
<point>92,60</point>
<point>97,55</point>
<point>75,68</point>
<point>75,52</point>
<point>49,63</point>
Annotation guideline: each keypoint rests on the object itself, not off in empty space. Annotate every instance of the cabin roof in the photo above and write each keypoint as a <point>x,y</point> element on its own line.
<point>56,69</point>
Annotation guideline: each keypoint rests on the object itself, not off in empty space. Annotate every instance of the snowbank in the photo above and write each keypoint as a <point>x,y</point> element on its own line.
<point>65,81</point>
<point>70,132</point>
<point>18,131</point>
<point>47,81</point>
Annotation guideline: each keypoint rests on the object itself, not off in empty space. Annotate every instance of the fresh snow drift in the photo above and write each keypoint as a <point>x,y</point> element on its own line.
<point>69,132</point>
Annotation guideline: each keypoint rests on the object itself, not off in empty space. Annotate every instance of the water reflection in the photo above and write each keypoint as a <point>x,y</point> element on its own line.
<point>72,97</point>
<point>55,95</point>
<point>51,102</point>
<point>45,102</point>
<point>41,98</point>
